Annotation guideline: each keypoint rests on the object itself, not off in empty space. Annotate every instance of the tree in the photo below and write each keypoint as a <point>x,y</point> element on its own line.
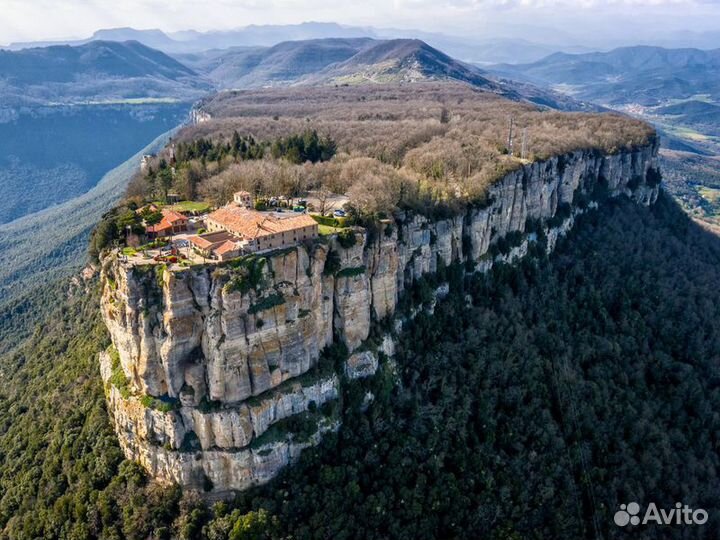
<point>252,526</point>
<point>165,179</point>
<point>444,116</point>
<point>322,194</point>
<point>102,236</point>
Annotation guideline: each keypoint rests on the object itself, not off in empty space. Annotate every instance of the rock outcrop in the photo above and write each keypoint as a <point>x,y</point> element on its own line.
<point>210,362</point>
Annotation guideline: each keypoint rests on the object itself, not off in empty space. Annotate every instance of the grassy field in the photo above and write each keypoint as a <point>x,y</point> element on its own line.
<point>326,230</point>
<point>192,207</point>
<point>189,207</point>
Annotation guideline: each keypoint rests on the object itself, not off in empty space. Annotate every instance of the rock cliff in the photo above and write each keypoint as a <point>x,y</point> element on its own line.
<point>217,378</point>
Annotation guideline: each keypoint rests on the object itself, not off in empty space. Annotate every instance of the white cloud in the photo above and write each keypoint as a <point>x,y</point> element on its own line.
<point>43,19</point>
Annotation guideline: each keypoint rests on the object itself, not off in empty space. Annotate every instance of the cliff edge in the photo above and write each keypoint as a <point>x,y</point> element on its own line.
<point>220,374</point>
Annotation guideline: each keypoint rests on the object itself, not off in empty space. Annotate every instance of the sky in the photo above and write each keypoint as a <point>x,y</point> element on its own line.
<point>585,22</point>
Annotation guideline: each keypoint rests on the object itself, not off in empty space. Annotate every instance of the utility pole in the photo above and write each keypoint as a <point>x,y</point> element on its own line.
<point>510,135</point>
<point>523,153</point>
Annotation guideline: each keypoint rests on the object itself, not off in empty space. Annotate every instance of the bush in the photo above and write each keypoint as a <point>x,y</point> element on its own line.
<point>331,221</point>
<point>117,377</point>
<point>351,272</point>
<point>346,238</point>
<point>269,302</point>
<point>247,274</point>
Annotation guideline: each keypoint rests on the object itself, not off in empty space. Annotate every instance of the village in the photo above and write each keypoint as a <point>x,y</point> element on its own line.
<point>182,235</point>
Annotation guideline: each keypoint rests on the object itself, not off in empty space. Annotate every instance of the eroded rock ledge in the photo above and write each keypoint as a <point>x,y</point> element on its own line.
<point>216,379</point>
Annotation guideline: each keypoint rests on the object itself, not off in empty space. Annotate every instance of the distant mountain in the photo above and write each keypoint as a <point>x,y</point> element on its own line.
<point>96,71</point>
<point>648,76</point>
<point>333,61</point>
<point>690,108</point>
<point>482,51</point>
<point>155,38</point>
<point>191,41</point>
<point>469,49</point>
<point>267,35</point>
<point>282,64</point>
<point>356,61</point>
<point>702,116</point>
<point>401,60</point>
<point>115,71</point>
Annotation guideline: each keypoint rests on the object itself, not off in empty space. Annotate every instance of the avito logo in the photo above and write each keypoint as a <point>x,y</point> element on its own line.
<point>629,514</point>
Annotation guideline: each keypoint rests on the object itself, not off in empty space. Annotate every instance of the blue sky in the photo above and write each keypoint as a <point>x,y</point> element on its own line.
<point>587,22</point>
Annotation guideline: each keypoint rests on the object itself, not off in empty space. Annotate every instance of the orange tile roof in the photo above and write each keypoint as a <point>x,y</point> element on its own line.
<point>225,247</point>
<point>200,242</point>
<point>172,216</point>
<point>252,224</point>
<point>159,227</point>
<point>206,241</point>
<point>169,219</point>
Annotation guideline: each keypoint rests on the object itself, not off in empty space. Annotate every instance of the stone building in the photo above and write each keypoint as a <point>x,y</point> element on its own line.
<point>259,231</point>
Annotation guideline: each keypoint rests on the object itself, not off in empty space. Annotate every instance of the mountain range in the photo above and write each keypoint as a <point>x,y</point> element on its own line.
<point>334,61</point>
<point>107,71</point>
<point>357,61</point>
<point>95,71</point>
<point>469,49</point>
<point>648,76</point>
<point>677,90</point>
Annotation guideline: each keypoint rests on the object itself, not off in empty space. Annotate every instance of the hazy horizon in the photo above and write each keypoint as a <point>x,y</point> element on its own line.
<point>588,23</point>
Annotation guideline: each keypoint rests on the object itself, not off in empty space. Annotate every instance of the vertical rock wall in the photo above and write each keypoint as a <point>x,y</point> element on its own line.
<point>212,357</point>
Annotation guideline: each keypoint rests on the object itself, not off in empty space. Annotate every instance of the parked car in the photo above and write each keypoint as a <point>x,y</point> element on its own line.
<point>181,244</point>
<point>339,213</point>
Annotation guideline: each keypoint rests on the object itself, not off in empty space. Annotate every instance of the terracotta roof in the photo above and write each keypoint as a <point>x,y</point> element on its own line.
<point>162,226</point>
<point>200,242</point>
<point>169,219</point>
<point>172,216</point>
<point>252,224</point>
<point>225,247</point>
<point>205,241</point>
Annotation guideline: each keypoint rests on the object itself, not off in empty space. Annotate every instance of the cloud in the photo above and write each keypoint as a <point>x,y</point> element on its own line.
<point>43,19</point>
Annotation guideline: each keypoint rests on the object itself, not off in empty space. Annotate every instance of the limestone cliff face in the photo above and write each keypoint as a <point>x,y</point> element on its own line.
<point>212,363</point>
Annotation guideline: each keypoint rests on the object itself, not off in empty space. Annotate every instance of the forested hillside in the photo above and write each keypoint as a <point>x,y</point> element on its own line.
<point>98,71</point>
<point>567,386</point>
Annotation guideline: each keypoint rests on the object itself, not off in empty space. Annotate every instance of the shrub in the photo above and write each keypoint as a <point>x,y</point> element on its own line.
<point>269,302</point>
<point>331,221</point>
<point>247,274</point>
<point>163,404</point>
<point>118,378</point>
<point>351,272</point>
<point>346,238</point>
